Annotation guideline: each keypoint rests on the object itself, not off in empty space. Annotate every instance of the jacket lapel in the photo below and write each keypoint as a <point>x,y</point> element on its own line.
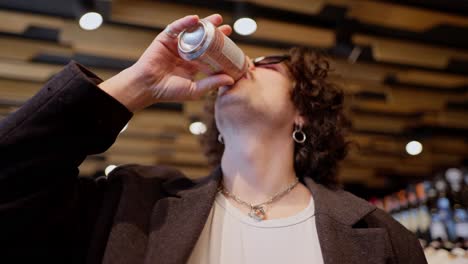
<point>336,212</point>
<point>177,221</point>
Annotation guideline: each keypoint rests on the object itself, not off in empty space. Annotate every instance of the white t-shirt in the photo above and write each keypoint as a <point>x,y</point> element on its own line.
<point>230,236</point>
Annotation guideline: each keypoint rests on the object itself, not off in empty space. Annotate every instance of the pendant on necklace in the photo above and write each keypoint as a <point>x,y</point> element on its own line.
<point>257,213</point>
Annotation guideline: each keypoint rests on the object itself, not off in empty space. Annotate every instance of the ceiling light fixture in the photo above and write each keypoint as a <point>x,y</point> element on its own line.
<point>124,128</point>
<point>109,169</point>
<point>414,148</point>
<point>197,128</point>
<point>91,21</point>
<point>245,26</point>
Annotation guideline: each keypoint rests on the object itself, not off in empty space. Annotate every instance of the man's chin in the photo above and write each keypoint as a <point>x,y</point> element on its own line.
<point>229,97</point>
<point>230,88</point>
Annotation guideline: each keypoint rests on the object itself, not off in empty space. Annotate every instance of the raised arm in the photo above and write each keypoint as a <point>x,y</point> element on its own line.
<point>45,141</point>
<point>75,115</point>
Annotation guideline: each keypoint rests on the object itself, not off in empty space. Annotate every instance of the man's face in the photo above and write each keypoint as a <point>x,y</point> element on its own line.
<point>262,94</point>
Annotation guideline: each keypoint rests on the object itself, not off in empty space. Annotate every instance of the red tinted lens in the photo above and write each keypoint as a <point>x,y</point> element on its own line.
<point>269,60</point>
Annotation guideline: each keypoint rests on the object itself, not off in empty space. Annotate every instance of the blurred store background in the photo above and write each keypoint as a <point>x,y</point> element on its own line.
<point>402,64</point>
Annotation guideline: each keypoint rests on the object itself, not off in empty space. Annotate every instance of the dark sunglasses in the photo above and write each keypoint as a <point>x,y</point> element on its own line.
<point>267,60</point>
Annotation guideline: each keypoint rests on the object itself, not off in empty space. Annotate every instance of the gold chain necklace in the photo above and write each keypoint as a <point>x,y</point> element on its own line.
<point>257,212</point>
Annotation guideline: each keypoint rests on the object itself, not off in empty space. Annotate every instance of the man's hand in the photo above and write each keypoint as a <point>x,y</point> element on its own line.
<point>160,75</point>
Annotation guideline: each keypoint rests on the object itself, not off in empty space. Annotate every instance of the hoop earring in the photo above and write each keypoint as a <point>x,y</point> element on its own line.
<point>220,139</point>
<point>298,132</point>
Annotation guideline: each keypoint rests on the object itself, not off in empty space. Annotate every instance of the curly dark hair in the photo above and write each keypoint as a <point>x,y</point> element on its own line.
<point>320,102</point>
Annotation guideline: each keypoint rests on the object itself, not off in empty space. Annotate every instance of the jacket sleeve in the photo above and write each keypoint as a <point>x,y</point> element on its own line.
<point>41,146</point>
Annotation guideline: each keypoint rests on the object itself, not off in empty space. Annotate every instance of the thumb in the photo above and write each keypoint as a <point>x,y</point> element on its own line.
<point>209,83</point>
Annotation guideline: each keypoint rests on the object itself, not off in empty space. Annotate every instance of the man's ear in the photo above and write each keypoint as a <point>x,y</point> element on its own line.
<point>299,120</point>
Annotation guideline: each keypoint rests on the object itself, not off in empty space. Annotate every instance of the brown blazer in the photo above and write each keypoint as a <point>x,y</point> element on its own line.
<point>138,214</point>
<point>350,230</point>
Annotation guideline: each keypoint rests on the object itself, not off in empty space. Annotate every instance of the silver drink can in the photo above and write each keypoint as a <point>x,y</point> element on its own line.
<point>207,44</point>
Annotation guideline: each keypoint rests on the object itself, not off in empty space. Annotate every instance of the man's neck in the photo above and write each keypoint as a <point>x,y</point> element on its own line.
<point>257,166</point>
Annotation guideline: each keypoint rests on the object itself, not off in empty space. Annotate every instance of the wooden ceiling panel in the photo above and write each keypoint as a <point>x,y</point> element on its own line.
<point>6,110</point>
<point>156,13</point>
<point>91,166</point>
<point>432,79</point>
<point>194,108</point>
<point>188,140</point>
<point>384,107</point>
<point>16,90</point>
<point>362,71</point>
<point>397,16</point>
<point>154,120</point>
<point>376,182</point>
<point>184,158</point>
<point>373,12</point>
<point>159,155</point>
<point>379,124</point>
<point>450,145</point>
<point>388,145</point>
<point>108,40</point>
<point>419,99</point>
<point>120,159</point>
<point>395,51</point>
<point>446,119</point>
<point>132,143</point>
<point>353,86</point>
<point>359,174</point>
<point>24,71</point>
<point>428,158</point>
<point>411,169</point>
<point>381,161</point>
<point>25,49</point>
<point>294,33</point>
<point>16,22</point>
<point>406,165</point>
<point>35,74</point>
<point>160,14</point>
<point>301,6</point>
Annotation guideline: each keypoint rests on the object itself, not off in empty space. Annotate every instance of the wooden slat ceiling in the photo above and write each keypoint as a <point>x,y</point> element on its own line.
<point>403,68</point>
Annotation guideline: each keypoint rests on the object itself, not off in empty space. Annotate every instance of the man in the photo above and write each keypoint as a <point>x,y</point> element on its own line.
<point>281,130</point>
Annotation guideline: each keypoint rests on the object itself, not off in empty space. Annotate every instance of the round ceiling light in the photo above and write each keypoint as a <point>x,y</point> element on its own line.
<point>91,21</point>
<point>414,148</point>
<point>245,26</point>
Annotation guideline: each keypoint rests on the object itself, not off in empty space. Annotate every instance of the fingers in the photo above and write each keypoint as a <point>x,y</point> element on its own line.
<point>226,29</point>
<point>215,19</point>
<point>207,84</point>
<point>183,23</point>
<point>189,21</point>
<point>169,36</point>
